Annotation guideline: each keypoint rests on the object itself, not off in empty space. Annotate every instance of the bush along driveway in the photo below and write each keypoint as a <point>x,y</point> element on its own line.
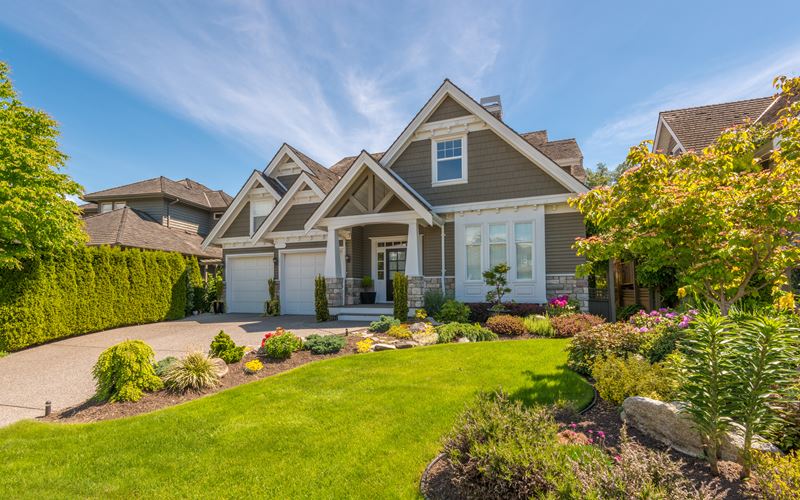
<point>357,426</point>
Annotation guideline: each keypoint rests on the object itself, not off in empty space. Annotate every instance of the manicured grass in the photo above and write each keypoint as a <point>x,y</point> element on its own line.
<point>359,426</point>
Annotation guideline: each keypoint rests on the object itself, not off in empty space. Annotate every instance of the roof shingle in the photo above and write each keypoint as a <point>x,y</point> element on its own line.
<point>186,190</point>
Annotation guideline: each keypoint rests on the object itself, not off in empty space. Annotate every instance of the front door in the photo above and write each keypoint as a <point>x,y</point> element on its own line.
<point>395,263</point>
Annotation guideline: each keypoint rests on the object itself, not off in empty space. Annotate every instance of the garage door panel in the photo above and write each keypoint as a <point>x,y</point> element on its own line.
<point>247,283</point>
<point>300,270</point>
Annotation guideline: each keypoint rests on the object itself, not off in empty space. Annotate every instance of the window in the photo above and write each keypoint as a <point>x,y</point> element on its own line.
<point>498,244</point>
<point>449,161</point>
<point>106,206</point>
<point>218,215</point>
<point>381,264</point>
<point>260,209</point>
<point>523,239</point>
<point>473,244</point>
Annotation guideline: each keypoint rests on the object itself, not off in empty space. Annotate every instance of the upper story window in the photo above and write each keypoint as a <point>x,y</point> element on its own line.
<point>259,210</point>
<point>450,160</point>
<point>218,215</point>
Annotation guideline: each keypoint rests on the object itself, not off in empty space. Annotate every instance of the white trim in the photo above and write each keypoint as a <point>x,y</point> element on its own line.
<point>364,219</point>
<point>663,122</point>
<point>526,149</point>
<point>236,206</point>
<point>285,150</point>
<point>435,161</point>
<point>508,203</point>
<point>365,161</point>
<point>380,285</point>
<point>283,206</point>
<point>460,125</point>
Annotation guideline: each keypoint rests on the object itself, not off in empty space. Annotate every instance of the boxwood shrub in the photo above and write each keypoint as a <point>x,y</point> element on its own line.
<point>324,344</point>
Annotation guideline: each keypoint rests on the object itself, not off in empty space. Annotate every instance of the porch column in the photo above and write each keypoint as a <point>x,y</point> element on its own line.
<point>333,265</point>
<point>412,251</point>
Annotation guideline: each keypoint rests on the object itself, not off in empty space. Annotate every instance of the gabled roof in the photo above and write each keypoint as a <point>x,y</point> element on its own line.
<point>340,167</point>
<point>128,227</point>
<point>319,175</point>
<point>186,190</point>
<point>696,128</point>
<point>281,207</point>
<point>527,149</point>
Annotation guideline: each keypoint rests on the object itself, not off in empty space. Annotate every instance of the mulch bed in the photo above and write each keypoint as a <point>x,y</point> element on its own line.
<point>92,411</point>
<point>438,484</point>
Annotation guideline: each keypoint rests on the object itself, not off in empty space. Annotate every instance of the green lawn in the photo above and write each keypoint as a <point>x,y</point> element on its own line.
<point>359,426</point>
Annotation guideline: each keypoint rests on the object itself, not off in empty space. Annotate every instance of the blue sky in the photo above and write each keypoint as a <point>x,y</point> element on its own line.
<point>209,90</point>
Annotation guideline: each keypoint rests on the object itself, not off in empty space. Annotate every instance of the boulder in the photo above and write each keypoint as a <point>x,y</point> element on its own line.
<point>462,340</point>
<point>406,345</point>
<point>666,423</point>
<point>383,347</point>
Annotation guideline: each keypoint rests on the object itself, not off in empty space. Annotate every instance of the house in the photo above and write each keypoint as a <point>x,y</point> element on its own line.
<point>456,193</point>
<point>156,214</point>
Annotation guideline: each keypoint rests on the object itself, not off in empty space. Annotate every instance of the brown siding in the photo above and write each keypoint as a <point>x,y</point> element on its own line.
<point>560,231</point>
<point>288,180</point>
<point>362,245</point>
<point>495,171</point>
<point>296,217</point>
<point>189,218</point>
<point>241,224</point>
<point>432,250</point>
<point>449,108</point>
<point>154,207</point>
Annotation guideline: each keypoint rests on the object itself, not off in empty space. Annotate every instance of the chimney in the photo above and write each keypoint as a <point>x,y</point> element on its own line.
<point>493,105</point>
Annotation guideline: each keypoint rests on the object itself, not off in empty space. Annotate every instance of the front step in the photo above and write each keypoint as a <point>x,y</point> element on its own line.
<point>366,314</point>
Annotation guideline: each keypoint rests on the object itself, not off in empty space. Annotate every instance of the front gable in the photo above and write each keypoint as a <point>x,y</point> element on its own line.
<point>448,109</point>
<point>292,211</point>
<point>367,195</point>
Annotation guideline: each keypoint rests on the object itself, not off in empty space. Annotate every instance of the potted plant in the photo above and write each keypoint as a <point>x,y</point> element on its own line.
<point>367,294</point>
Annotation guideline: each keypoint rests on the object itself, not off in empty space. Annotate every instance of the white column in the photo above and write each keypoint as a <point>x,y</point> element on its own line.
<point>333,263</point>
<point>412,251</point>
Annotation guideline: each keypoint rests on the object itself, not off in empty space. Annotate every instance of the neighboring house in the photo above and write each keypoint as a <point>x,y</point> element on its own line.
<point>456,193</point>
<point>156,214</point>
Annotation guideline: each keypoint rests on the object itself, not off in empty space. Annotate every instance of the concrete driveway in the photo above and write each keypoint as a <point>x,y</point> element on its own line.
<point>61,372</point>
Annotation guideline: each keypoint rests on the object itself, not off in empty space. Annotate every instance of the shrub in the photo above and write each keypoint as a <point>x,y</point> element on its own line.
<point>624,313</point>
<point>775,476</point>
<point>474,332</point>
<point>124,371</point>
<point>425,335</point>
<point>561,305</point>
<point>88,289</point>
<point>253,366</point>
<point>664,328</point>
<point>383,324</point>
<point>497,279</point>
<point>570,325</point>
<point>195,288</point>
<point>162,366</point>
<point>225,348</point>
<point>433,300</point>
<point>197,371</point>
<point>505,324</point>
<point>522,309</point>
<point>280,346</point>
<point>321,299</point>
<point>400,288</point>
<point>539,325</point>
<point>324,344</point>
<point>365,345</point>
<point>399,332</point>
<point>600,341</point>
<point>787,436</point>
<point>272,307</point>
<point>479,312</point>
<point>617,378</point>
<point>453,310</point>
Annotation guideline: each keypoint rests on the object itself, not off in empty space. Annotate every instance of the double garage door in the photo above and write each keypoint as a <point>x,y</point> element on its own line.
<point>247,282</point>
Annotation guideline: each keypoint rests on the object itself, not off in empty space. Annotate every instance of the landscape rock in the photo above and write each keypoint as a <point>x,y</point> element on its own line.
<point>462,340</point>
<point>406,345</point>
<point>665,422</point>
<point>418,327</point>
<point>383,347</point>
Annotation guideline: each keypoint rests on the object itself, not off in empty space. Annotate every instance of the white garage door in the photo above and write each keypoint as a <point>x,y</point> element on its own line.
<point>297,282</point>
<point>247,283</point>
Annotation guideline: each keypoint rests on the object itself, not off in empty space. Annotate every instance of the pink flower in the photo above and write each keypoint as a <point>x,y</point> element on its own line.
<point>617,458</point>
<point>601,434</point>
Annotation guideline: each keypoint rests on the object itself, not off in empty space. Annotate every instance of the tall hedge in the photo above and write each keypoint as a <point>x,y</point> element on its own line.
<point>88,289</point>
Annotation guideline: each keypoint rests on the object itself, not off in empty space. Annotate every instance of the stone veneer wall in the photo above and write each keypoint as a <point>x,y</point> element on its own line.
<point>333,287</point>
<point>352,291</point>
<point>418,285</point>
<point>568,284</point>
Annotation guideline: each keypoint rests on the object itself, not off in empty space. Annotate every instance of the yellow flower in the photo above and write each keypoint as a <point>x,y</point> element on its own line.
<point>786,302</point>
<point>363,346</point>
<point>681,292</point>
<point>253,366</point>
<point>421,314</point>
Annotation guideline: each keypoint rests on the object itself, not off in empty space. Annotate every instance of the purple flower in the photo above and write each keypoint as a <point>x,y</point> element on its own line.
<point>573,425</point>
<point>601,434</point>
<point>671,315</point>
<point>693,312</point>
<point>683,324</point>
<point>662,310</point>
<point>643,329</point>
<point>654,313</point>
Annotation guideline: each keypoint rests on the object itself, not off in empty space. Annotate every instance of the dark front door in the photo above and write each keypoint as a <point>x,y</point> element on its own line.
<point>395,263</point>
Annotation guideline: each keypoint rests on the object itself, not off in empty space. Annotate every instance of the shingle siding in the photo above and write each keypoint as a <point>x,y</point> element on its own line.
<point>154,207</point>
<point>362,245</point>
<point>449,108</point>
<point>188,218</point>
<point>240,225</point>
<point>495,171</point>
<point>296,217</point>
<point>560,232</point>
<point>432,250</point>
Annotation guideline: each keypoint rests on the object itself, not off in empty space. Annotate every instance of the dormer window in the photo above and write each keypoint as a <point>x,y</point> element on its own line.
<point>449,160</point>
<point>260,209</point>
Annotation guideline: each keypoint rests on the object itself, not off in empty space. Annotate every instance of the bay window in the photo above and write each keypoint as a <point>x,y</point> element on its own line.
<point>498,244</point>
<point>523,241</point>
<point>473,245</point>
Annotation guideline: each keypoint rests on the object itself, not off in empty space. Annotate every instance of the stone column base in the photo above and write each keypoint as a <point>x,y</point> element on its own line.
<point>333,287</point>
<point>568,284</point>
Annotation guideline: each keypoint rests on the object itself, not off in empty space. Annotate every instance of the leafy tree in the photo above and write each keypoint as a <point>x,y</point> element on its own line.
<point>35,215</point>
<point>602,176</point>
<point>725,219</point>
<point>497,278</point>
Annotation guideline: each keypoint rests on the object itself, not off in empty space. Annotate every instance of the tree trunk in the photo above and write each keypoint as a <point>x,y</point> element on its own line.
<point>746,458</point>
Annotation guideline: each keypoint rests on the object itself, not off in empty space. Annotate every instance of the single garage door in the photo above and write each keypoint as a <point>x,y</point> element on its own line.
<point>297,282</point>
<point>247,282</point>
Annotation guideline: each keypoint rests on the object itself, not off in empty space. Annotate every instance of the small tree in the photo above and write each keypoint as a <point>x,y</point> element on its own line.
<point>724,219</point>
<point>400,289</point>
<point>321,299</point>
<point>272,307</point>
<point>35,215</point>
<point>195,291</point>
<point>497,277</point>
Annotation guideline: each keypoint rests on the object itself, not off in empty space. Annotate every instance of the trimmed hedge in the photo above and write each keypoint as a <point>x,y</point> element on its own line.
<point>86,290</point>
<point>480,311</point>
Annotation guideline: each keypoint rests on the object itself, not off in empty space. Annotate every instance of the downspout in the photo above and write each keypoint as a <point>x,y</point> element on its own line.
<point>444,289</point>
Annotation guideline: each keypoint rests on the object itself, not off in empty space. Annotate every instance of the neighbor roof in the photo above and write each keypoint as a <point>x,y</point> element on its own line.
<point>186,190</point>
<point>129,227</point>
<point>696,128</point>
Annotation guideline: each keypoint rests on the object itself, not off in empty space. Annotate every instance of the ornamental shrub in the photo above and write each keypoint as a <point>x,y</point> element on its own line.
<point>321,299</point>
<point>196,371</point>
<point>88,289</point>
<point>400,288</point>
<point>505,324</point>
<point>539,325</point>
<point>383,324</point>
<point>453,310</point>
<point>272,307</point>
<point>570,325</point>
<point>124,371</point>
<point>450,332</point>
<point>617,378</point>
<point>324,344</point>
<point>225,348</point>
<point>163,365</point>
<point>399,332</point>
<point>281,346</point>
<point>433,300</point>
<point>561,305</point>
<point>775,476</point>
<point>364,346</point>
<point>602,340</point>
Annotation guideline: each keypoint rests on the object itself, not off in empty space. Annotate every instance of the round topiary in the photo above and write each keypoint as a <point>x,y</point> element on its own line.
<point>505,324</point>
<point>124,371</point>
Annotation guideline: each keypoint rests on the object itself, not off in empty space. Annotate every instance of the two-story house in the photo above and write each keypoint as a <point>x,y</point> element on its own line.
<point>156,214</point>
<point>458,192</point>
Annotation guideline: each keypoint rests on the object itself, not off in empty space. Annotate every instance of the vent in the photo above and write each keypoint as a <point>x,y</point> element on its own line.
<point>493,105</point>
